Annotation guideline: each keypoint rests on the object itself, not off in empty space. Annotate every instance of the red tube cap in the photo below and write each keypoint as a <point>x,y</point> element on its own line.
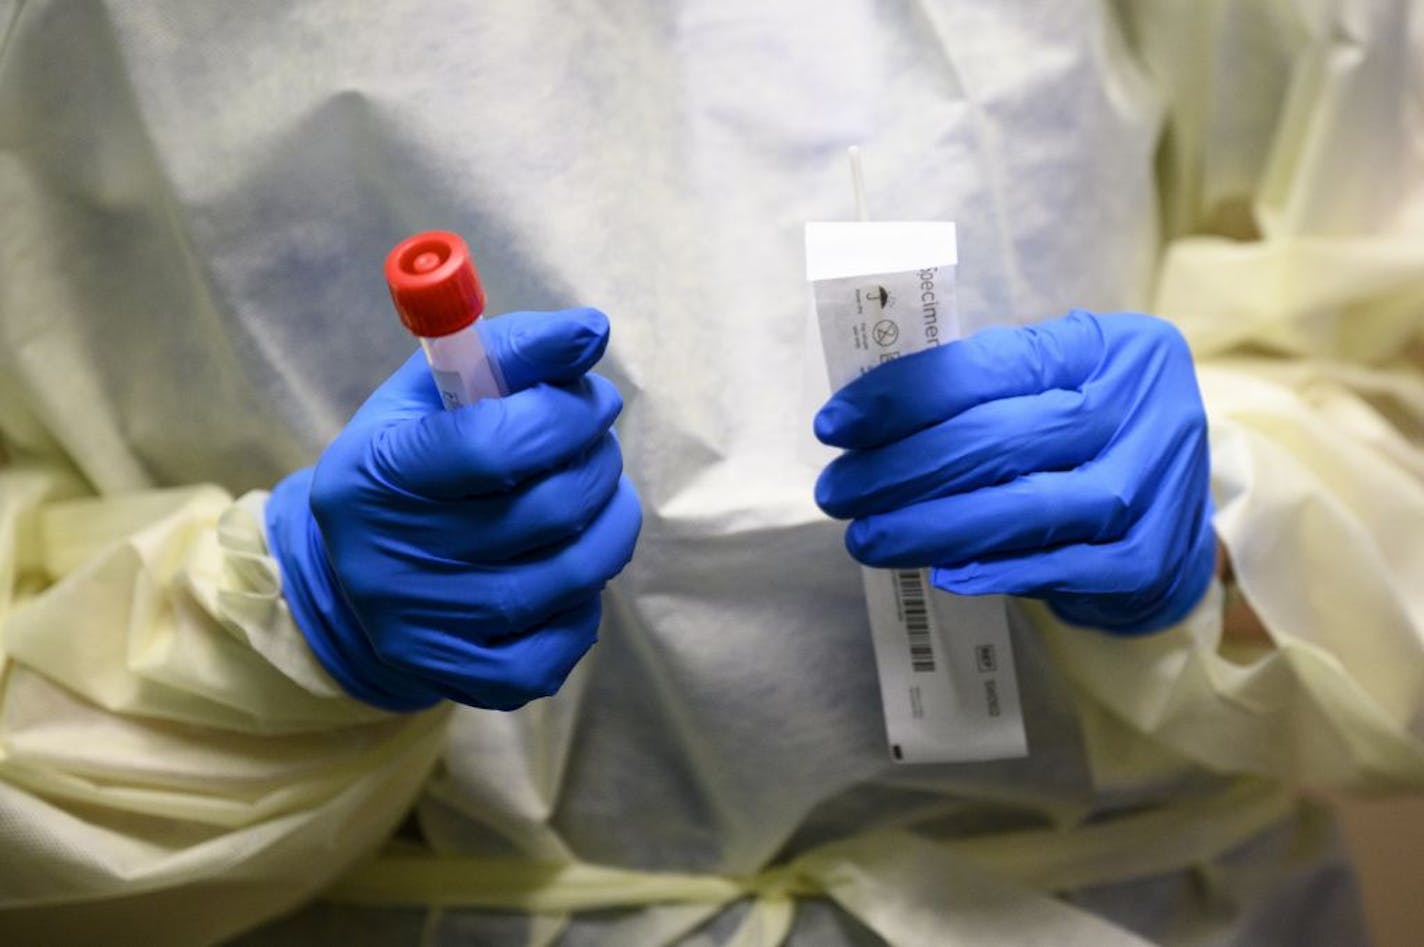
<point>433,283</point>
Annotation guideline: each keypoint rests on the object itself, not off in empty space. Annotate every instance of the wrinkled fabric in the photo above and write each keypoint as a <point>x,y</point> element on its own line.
<point>197,200</point>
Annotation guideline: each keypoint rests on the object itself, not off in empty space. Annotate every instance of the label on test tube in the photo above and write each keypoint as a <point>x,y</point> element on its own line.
<point>884,290</point>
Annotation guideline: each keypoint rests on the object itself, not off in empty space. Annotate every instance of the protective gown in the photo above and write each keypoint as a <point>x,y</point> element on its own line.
<point>196,201</point>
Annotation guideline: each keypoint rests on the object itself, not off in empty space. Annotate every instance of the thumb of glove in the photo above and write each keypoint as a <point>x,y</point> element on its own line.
<point>551,347</point>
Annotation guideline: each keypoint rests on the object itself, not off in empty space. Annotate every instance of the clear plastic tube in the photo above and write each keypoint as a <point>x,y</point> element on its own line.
<point>437,292</point>
<point>462,370</point>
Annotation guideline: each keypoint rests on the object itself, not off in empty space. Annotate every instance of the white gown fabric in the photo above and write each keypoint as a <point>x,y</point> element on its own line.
<point>196,200</point>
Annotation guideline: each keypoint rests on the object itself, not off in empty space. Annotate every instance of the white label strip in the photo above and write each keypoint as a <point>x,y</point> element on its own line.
<point>884,290</point>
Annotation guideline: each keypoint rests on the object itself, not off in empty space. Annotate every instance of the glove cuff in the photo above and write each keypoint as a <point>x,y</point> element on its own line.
<point>319,608</point>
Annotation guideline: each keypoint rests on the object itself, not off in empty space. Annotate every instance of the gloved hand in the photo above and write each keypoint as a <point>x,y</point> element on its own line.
<point>1065,461</point>
<point>460,554</point>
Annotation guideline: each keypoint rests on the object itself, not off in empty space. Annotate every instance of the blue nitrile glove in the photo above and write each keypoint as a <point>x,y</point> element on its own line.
<point>1065,461</point>
<point>460,554</point>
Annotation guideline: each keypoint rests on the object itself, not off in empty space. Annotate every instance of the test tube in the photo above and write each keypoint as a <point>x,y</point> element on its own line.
<point>437,293</point>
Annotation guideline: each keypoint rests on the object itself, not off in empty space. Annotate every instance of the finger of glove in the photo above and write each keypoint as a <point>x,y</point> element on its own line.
<point>911,393</point>
<point>518,595</point>
<point>1164,513</point>
<point>1176,590</point>
<point>549,347</point>
<point>1035,512</point>
<point>542,512</point>
<point>988,444</point>
<point>527,348</point>
<point>1113,568</point>
<point>494,444</point>
<point>508,673</point>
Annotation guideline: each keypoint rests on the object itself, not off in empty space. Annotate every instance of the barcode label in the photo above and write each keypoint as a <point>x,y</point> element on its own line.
<point>910,588</point>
